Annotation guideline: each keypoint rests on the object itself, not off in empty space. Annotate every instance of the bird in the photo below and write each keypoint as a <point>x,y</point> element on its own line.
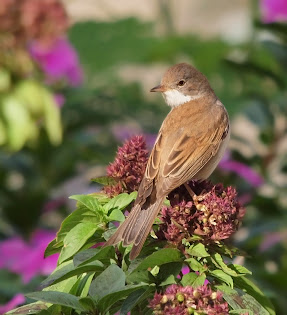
<point>190,143</point>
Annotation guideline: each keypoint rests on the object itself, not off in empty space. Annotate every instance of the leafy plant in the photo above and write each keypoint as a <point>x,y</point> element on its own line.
<point>192,269</point>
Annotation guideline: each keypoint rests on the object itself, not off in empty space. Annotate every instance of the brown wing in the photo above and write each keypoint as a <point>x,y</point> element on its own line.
<point>147,184</point>
<point>191,152</point>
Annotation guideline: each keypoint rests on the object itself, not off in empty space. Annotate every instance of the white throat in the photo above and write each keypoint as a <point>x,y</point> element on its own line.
<point>175,98</point>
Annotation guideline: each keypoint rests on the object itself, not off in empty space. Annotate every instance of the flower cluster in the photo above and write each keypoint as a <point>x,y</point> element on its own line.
<point>25,20</point>
<point>129,166</point>
<point>188,300</point>
<point>213,213</point>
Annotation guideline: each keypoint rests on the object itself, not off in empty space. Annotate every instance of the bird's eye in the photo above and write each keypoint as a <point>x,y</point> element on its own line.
<point>181,83</point>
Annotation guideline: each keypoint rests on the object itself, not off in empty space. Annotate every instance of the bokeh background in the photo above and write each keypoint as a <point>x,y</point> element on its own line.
<point>74,84</point>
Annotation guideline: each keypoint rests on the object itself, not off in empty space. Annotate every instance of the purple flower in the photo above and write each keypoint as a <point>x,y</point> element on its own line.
<point>214,213</point>
<point>124,132</point>
<point>179,300</point>
<point>27,258</point>
<point>242,170</point>
<point>271,239</point>
<point>13,303</point>
<point>129,166</point>
<point>26,20</point>
<point>59,61</point>
<point>273,10</point>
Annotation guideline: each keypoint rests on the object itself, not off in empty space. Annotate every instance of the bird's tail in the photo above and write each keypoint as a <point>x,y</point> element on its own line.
<point>136,227</point>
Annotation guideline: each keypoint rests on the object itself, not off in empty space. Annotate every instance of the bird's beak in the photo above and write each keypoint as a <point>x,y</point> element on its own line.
<point>158,88</point>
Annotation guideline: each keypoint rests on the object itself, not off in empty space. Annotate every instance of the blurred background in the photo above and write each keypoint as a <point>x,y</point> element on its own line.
<point>74,84</point>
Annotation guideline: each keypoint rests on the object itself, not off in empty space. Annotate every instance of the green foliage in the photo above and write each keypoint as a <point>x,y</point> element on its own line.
<point>20,112</point>
<point>105,280</point>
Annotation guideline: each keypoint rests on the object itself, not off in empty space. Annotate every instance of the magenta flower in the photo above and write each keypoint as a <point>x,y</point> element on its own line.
<point>129,166</point>
<point>27,258</point>
<point>59,61</point>
<point>178,300</point>
<point>17,300</point>
<point>273,10</point>
<point>271,239</point>
<point>124,132</point>
<point>214,213</point>
<point>244,171</point>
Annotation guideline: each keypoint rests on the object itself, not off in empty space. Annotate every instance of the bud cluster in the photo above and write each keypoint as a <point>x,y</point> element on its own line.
<point>188,300</point>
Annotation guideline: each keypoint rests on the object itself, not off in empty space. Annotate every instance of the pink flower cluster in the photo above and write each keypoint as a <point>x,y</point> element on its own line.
<point>273,10</point>
<point>26,258</point>
<point>129,166</point>
<point>26,20</point>
<point>178,300</point>
<point>214,213</point>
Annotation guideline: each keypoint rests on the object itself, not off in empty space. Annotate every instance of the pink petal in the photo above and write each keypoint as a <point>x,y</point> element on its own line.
<point>59,61</point>
<point>273,10</point>
<point>243,171</point>
<point>13,303</point>
<point>27,258</point>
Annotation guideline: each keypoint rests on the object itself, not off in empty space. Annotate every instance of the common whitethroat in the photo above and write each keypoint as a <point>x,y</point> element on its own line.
<point>189,145</point>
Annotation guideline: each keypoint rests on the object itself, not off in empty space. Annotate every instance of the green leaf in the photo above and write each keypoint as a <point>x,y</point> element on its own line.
<point>159,258</point>
<point>3,136</point>
<point>32,308</point>
<point>168,273</point>
<point>58,272</point>
<point>221,275</point>
<point>88,256</point>
<point>59,298</point>
<point>193,279</point>
<point>110,280</point>
<point>240,270</point>
<point>107,301</point>
<point>85,284</point>
<point>120,202</point>
<point>240,300</point>
<point>52,248</point>
<point>219,263</point>
<point>85,255</point>
<point>132,300</point>
<point>44,312</point>
<point>241,311</point>
<point>104,180</point>
<point>87,303</point>
<point>80,215</point>
<point>30,92</point>
<point>18,120</point>
<point>88,201</point>
<point>76,238</point>
<point>117,215</point>
<point>5,80</point>
<point>245,284</point>
<point>65,285</point>
<point>52,117</point>
<point>197,250</point>
<point>61,275</point>
<point>195,265</point>
<point>139,276</point>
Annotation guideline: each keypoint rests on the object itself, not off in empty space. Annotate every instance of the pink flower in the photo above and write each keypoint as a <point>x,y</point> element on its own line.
<point>129,166</point>
<point>243,170</point>
<point>124,132</point>
<point>59,61</point>
<point>13,303</point>
<point>271,239</point>
<point>273,10</point>
<point>26,258</point>
<point>180,300</point>
<point>214,213</point>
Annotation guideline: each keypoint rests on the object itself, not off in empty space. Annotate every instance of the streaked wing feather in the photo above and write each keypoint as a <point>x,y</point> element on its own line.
<point>178,167</point>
